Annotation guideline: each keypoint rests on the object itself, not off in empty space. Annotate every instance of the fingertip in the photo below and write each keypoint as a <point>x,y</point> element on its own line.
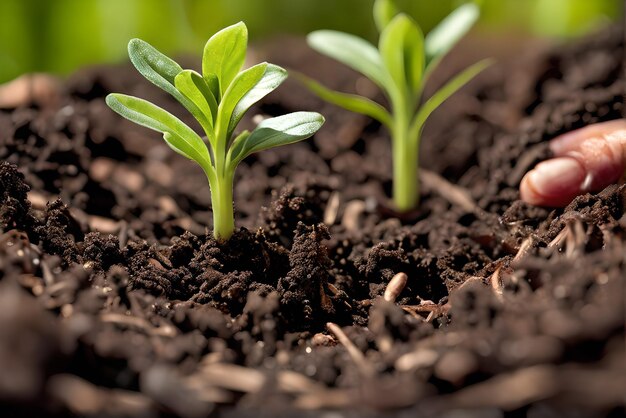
<point>553,183</point>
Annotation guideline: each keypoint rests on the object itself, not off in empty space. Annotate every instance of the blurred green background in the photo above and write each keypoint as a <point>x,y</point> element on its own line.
<point>61,35</point>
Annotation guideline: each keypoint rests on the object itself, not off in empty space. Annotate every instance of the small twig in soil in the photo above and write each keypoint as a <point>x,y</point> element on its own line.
<point>37,200</point>
<point>337,292</point>
<point>85,399</point>
<point>212,358</point>
<point>432,309</point>
<point>395,287</point>
<point>578,238</point>
<point>293,382</point>
<point>351,214</point>
<point>103,225</point>
<point>418,359</point>
<point>425,306</point>
<point>139,324</point>
<point>215,377</point>
<point>454,194</point>
<point>156,264</point>
<point>56,288</point>
<point>508,390</point>
<point>572,237</point>
<point>208,393</point>
<point>365,367</point>
<point>559,239</point>
<point>496,282</point>
<point>607,237</point>
<point>413,313</point>
<point>231,377</point>
<point>524,249</point>
<point>163,260</point>
<point>327,399</point>
<point>332,209</point>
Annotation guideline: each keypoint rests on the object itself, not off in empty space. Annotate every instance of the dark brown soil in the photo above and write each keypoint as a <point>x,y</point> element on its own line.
<point>114,300</point>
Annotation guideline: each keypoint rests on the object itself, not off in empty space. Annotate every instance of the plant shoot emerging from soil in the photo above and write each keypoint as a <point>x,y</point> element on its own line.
<point>218,99</point>
<point>400,66</point>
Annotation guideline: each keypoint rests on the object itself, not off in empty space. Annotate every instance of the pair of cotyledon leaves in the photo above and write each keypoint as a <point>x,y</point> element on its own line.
<point>399,66</point>
<point>218,99</point>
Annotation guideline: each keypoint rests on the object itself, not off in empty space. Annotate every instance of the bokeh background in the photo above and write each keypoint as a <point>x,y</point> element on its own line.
<point>61,35</point>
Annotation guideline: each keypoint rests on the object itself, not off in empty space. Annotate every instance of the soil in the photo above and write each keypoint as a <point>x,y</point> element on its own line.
<point>116,301</point>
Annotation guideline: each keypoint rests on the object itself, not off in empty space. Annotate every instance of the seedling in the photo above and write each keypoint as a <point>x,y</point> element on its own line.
<point>217,99</point>
<point>400,66</point>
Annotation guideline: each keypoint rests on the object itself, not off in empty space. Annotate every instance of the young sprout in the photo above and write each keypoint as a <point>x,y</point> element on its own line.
<point>218,100</point>
<point>400,66</point>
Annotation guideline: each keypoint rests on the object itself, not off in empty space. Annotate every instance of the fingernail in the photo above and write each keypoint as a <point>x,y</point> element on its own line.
<point>553,182</point>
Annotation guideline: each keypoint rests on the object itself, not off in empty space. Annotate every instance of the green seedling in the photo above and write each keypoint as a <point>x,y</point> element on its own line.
<point>400,66</point>
<point>218,99</point>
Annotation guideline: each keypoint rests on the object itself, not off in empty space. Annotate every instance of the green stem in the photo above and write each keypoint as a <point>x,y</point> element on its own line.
<point>222,202</point>
<point>405,168</point>
<point>221,183</point>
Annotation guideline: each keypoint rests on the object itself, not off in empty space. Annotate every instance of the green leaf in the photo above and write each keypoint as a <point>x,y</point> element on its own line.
<point>349,102</point>
<point>246,89</point>
<point>402,48</point>
<point>271,79</point>
<point>214,86</point>
<point>384,12</point>
<point>182,147</point>
<point>352,51</point>
<point>274,132</point>
<point>243,83</point>
<point>237,148</point>
<point>224,54</point>
<point>156,67</point>
<point>444,93</point>
<point>448,32</point>
<point>195,88</point>
<point>146,114</point>
<point>161,71</point>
